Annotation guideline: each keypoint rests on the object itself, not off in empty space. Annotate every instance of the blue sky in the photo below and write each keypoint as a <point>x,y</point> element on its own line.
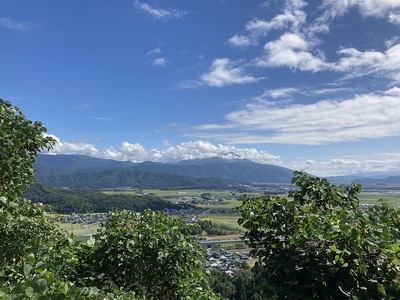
<point>312,85</point>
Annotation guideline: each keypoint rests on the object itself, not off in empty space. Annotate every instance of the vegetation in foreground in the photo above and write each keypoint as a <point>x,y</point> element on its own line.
<point>134,257</point>
<point>315,244</point>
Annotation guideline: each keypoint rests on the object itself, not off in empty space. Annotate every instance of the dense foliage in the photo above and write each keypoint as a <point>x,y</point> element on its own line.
<point>212,228</point>
<point>20,140</point>
<point>40,261</point>
<point>239,286</point>
<point>319,244</point>
<point>87,201</point>
<point>150,254</point>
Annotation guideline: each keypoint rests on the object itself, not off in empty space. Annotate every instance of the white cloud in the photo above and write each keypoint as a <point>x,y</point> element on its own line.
<point>224,72</point>
<point>240,41</point>
<point>172,153</point>
<point>376,8</point>
<point>392,41</point>
<point>73,148</point>
<point>356,63</point>
<point>292,17</point>
<point>18,26</point>
<point>288,93</point>
<point>159,62</point>
<point>292,50</point>
<point>188,150</point>
<point>394,18</point>
<point>158,13</point>
<point>366,116</point>
<point>345,165</point>
<point>395,91</point>
<point>368,8</point>
<point>280,93</point>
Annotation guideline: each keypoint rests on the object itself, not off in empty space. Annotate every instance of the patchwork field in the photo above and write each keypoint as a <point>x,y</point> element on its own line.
<point>229,219</point>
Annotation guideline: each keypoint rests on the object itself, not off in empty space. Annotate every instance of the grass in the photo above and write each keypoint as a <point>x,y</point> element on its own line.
<point>78,229</point>
<point>373,197</point>
<point>226,219</point>
<point>227,204</point>
<point>75,229</point>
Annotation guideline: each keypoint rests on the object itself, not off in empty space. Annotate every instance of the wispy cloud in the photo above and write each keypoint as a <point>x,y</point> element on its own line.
<point>102,118</point>
<point>18,26</point>
<point>83,106</point>
<point>332,9</point>
<point>292,17</point>
<point>365,116</point>
<point>158,13</point>
<point>343,165</point>
<point>280,93</point>
<point>357,63</point>
<point>155,51</point>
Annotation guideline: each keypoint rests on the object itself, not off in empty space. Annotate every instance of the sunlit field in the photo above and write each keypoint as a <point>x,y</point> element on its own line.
<point>373,197</point>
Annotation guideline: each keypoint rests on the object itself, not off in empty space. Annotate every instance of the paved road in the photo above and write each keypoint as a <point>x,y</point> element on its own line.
<point>210,242</point>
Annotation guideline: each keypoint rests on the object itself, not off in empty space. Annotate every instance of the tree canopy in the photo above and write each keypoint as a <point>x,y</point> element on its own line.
<point>20,140</point>
<point>318,243</point>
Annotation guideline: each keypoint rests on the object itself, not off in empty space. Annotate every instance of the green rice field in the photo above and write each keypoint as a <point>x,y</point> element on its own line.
<point>373,197</point>
<point>78,229</point>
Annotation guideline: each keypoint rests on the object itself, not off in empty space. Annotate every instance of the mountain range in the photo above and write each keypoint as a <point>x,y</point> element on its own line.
<point>85,171</point>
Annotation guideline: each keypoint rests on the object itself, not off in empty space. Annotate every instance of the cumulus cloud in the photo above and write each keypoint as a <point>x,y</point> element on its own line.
<point>294,51</point>
<point>158,13</point>
<point>225,72</point>
<point>188,150</point>
<point>159,62</point>
<point>73,148</point>
<point>365,116</point>
<point>171,153</point>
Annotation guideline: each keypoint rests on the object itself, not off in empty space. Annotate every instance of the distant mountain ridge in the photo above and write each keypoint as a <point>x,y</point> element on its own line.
<point>368,178</point>
<point>67,170</point>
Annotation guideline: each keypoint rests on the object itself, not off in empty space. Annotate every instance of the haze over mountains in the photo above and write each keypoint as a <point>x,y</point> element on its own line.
<point>86,171</point>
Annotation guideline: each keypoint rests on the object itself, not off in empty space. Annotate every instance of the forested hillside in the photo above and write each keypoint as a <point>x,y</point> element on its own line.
<point>87,201</point>
<point>132,178</point>
<point>85,171</point>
